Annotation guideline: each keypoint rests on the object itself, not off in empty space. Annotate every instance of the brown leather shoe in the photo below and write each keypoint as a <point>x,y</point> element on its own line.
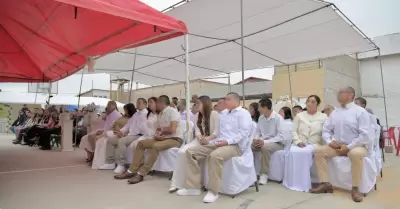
<point>322,188</point>
<point>356,195</point>
<point>136,179</point>
<point>125,175</point>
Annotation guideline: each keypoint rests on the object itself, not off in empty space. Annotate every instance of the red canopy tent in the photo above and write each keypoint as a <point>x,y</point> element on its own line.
<point>47,40</point>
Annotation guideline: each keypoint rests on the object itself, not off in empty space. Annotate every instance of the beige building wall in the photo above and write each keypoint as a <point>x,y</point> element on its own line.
<point>172,90</point>
<point>322,78</point>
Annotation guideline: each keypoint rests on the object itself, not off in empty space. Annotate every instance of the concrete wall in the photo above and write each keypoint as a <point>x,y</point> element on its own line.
<point>172,90</point>
<point>340,71</point>
<point>97,93</point>
<point>371,85</point>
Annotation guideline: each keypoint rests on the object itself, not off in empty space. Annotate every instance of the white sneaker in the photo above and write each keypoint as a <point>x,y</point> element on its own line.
<point>210,197</point>
<point>188,192</point>
<point>119,170</point>
<point>107,167</point>
<point>172,189</point>
<point>263,179</point>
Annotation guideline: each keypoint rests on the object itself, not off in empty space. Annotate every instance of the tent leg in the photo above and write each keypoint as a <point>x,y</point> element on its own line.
<point>79,102</point>
<point>133,73</point>
<point>242,51</point>
<point>229,83</point>
<point>187,73</point>
<point>290,85</point>
<point>383,89</point>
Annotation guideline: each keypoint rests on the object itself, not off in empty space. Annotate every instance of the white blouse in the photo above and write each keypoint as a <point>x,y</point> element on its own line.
<point>151,125</point>
<point>308,128</point>
<point>286,128</point>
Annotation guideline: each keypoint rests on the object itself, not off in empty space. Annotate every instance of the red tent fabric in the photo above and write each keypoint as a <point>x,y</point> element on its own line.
<point>47,40</point>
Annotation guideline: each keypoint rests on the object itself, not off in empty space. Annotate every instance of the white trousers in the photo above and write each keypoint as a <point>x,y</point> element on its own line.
<point>99,158</point>
<point>298,163</point>
<point>179,176</point>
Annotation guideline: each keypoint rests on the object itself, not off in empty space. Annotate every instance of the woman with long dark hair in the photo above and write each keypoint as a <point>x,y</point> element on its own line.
<point>254,113</point>
<point>44,135</point>
<point>98,158</point>
<point>206,130</point>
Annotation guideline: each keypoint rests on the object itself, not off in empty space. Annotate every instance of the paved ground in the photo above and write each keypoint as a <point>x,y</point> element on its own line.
<point>34,179</point>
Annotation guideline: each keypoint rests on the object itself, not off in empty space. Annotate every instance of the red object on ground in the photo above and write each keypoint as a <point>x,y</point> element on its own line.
<point>47,40</point>
<point>398,142</point>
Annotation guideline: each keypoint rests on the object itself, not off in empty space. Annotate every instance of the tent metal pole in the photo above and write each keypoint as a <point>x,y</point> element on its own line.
<point>37,89</point>
<point>187,73</point>
<point>383,89</point>
<point>290,85</point>
<point>133,73</point>
<point>49,92</point>
<point>79,102</point>
<point>242,51</point>
<point>229,83</point>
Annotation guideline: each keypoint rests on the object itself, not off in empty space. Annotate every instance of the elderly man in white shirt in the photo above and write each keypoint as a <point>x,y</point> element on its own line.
<point>235,128</point>
<point>116,147</point>
<point>269,136</point>
<point>346,133</point>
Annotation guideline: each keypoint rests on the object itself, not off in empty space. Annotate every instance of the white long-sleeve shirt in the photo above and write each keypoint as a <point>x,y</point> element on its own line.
<point>350,125</point>
<point>110,120</point>
<point>270,129</point>
<point>135,125</point>
<point>235,127</point>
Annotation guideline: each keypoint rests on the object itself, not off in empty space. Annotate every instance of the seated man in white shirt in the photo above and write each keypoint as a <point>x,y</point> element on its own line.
<point>182,111</point>
<point>269,137</point>
<point>235,128</point>
<point>346,133</point>
<point>116,147</point>
<point>168,134</point>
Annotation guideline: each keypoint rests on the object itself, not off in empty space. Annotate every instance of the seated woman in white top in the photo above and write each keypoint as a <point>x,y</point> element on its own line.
<point>307,134</point>
<point>206,129</point>
<point>286,125</point>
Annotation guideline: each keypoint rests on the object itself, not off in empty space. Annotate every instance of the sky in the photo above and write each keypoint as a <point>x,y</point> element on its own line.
<point>373,17</point>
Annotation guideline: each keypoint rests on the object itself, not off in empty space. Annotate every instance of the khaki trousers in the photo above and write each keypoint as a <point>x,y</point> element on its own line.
<point>266,151</point>
<point>153,148</point>
<point>116,148</point>
<point>356,155</point>
<point>216,156</point>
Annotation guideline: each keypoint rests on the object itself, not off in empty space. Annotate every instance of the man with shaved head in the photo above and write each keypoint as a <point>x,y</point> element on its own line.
<point>346,133</point>
<point>235,128</point>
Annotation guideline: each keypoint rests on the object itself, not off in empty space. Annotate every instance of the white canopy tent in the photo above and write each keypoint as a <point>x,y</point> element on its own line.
<point>228,36</point>
<point>275,32</point>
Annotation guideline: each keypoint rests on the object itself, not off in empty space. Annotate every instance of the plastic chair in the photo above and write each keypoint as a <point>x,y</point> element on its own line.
<point>392,137</point>
<point>55,139</point>
<point>398,142</point>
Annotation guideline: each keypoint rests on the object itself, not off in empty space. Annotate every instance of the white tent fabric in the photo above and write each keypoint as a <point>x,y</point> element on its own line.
<point>29,98</point>
<point>275,32</point>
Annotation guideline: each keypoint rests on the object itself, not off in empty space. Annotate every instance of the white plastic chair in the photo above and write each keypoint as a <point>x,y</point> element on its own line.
<point>167,158</point>
<point>239,172</point>
<point>340,170</point>
<point>277,161</point>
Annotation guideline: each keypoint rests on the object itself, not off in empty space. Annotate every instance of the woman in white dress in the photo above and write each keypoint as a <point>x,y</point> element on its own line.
<point>287,126</point>
<point>101,144</point>
<point>206,129</point>
<point>307,134</point>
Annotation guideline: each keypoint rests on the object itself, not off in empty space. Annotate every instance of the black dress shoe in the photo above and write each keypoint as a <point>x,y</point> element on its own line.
<point>45,148</point>
<point>16,142</point>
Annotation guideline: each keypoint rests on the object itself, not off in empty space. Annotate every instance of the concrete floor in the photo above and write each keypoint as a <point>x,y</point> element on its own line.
<point>34,179</point>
